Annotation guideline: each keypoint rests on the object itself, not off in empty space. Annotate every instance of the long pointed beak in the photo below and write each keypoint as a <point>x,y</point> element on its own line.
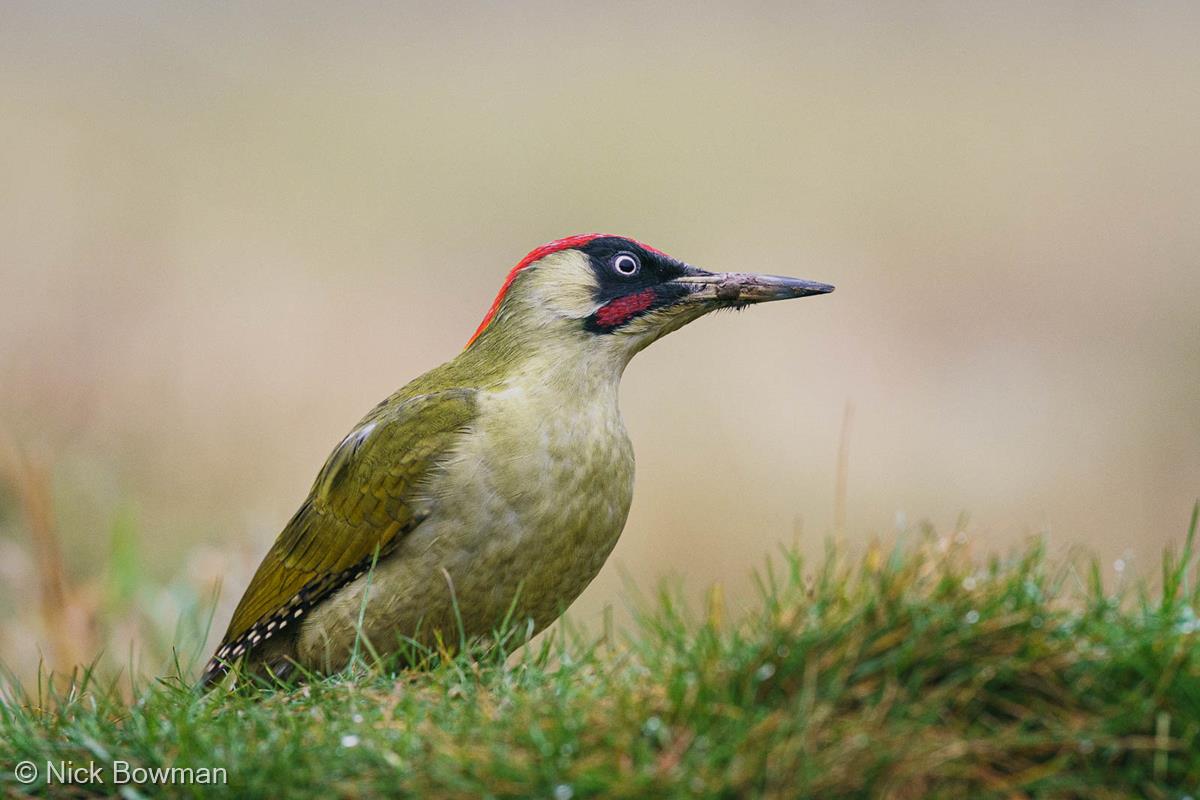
<point>736,288</point>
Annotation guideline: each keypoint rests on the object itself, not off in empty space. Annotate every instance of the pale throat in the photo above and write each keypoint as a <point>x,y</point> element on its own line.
<point>567,376</point>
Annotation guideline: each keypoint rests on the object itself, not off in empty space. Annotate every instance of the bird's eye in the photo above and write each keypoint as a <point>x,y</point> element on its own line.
<point>626,264</point>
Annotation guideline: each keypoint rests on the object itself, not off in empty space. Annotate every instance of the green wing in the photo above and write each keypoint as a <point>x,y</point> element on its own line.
<point>364,500</point>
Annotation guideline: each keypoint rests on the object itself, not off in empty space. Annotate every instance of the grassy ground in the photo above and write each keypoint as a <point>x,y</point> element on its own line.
<point>919,672</point>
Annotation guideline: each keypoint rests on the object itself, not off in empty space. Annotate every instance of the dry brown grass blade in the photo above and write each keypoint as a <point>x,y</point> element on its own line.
<point>68,624</point>
<point>843,473</point>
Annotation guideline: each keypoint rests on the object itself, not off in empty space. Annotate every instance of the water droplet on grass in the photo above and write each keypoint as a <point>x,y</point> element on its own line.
<point>350,740</point>
<point>972,617</point>
<point>563,792</point>
<point>764,672</point>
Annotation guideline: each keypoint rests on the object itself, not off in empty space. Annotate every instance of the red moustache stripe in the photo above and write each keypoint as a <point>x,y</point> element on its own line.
<point>619,311</point>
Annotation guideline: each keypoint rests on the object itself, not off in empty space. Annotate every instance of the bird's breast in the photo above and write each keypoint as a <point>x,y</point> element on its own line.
<point>555,469</point>
<point>524,513</point>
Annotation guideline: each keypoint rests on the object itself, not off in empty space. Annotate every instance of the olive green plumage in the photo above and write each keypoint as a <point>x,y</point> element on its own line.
<point>492,486</point>
<point>362,500</point>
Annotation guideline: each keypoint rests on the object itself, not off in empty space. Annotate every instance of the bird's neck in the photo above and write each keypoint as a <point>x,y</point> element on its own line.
<point>570,365</point>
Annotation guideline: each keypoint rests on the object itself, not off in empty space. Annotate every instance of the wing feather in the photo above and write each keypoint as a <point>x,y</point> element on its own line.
<point>365,498</point>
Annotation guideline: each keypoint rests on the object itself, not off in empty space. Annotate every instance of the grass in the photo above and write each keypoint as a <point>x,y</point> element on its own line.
<point>915,672</point>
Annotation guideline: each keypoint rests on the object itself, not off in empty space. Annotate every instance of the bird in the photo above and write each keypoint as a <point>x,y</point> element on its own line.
<point>492,487</point>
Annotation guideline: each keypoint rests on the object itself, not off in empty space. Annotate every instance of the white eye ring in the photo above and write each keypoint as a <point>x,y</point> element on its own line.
<point>626,264</point>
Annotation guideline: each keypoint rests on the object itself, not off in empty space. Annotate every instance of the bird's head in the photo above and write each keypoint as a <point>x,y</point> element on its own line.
<point>612,295</point>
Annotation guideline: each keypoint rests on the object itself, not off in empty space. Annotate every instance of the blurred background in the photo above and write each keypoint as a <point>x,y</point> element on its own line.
<point>228,230</point>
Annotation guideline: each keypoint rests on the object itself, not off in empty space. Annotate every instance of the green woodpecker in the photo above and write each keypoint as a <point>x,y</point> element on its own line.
<point>492,487</point>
